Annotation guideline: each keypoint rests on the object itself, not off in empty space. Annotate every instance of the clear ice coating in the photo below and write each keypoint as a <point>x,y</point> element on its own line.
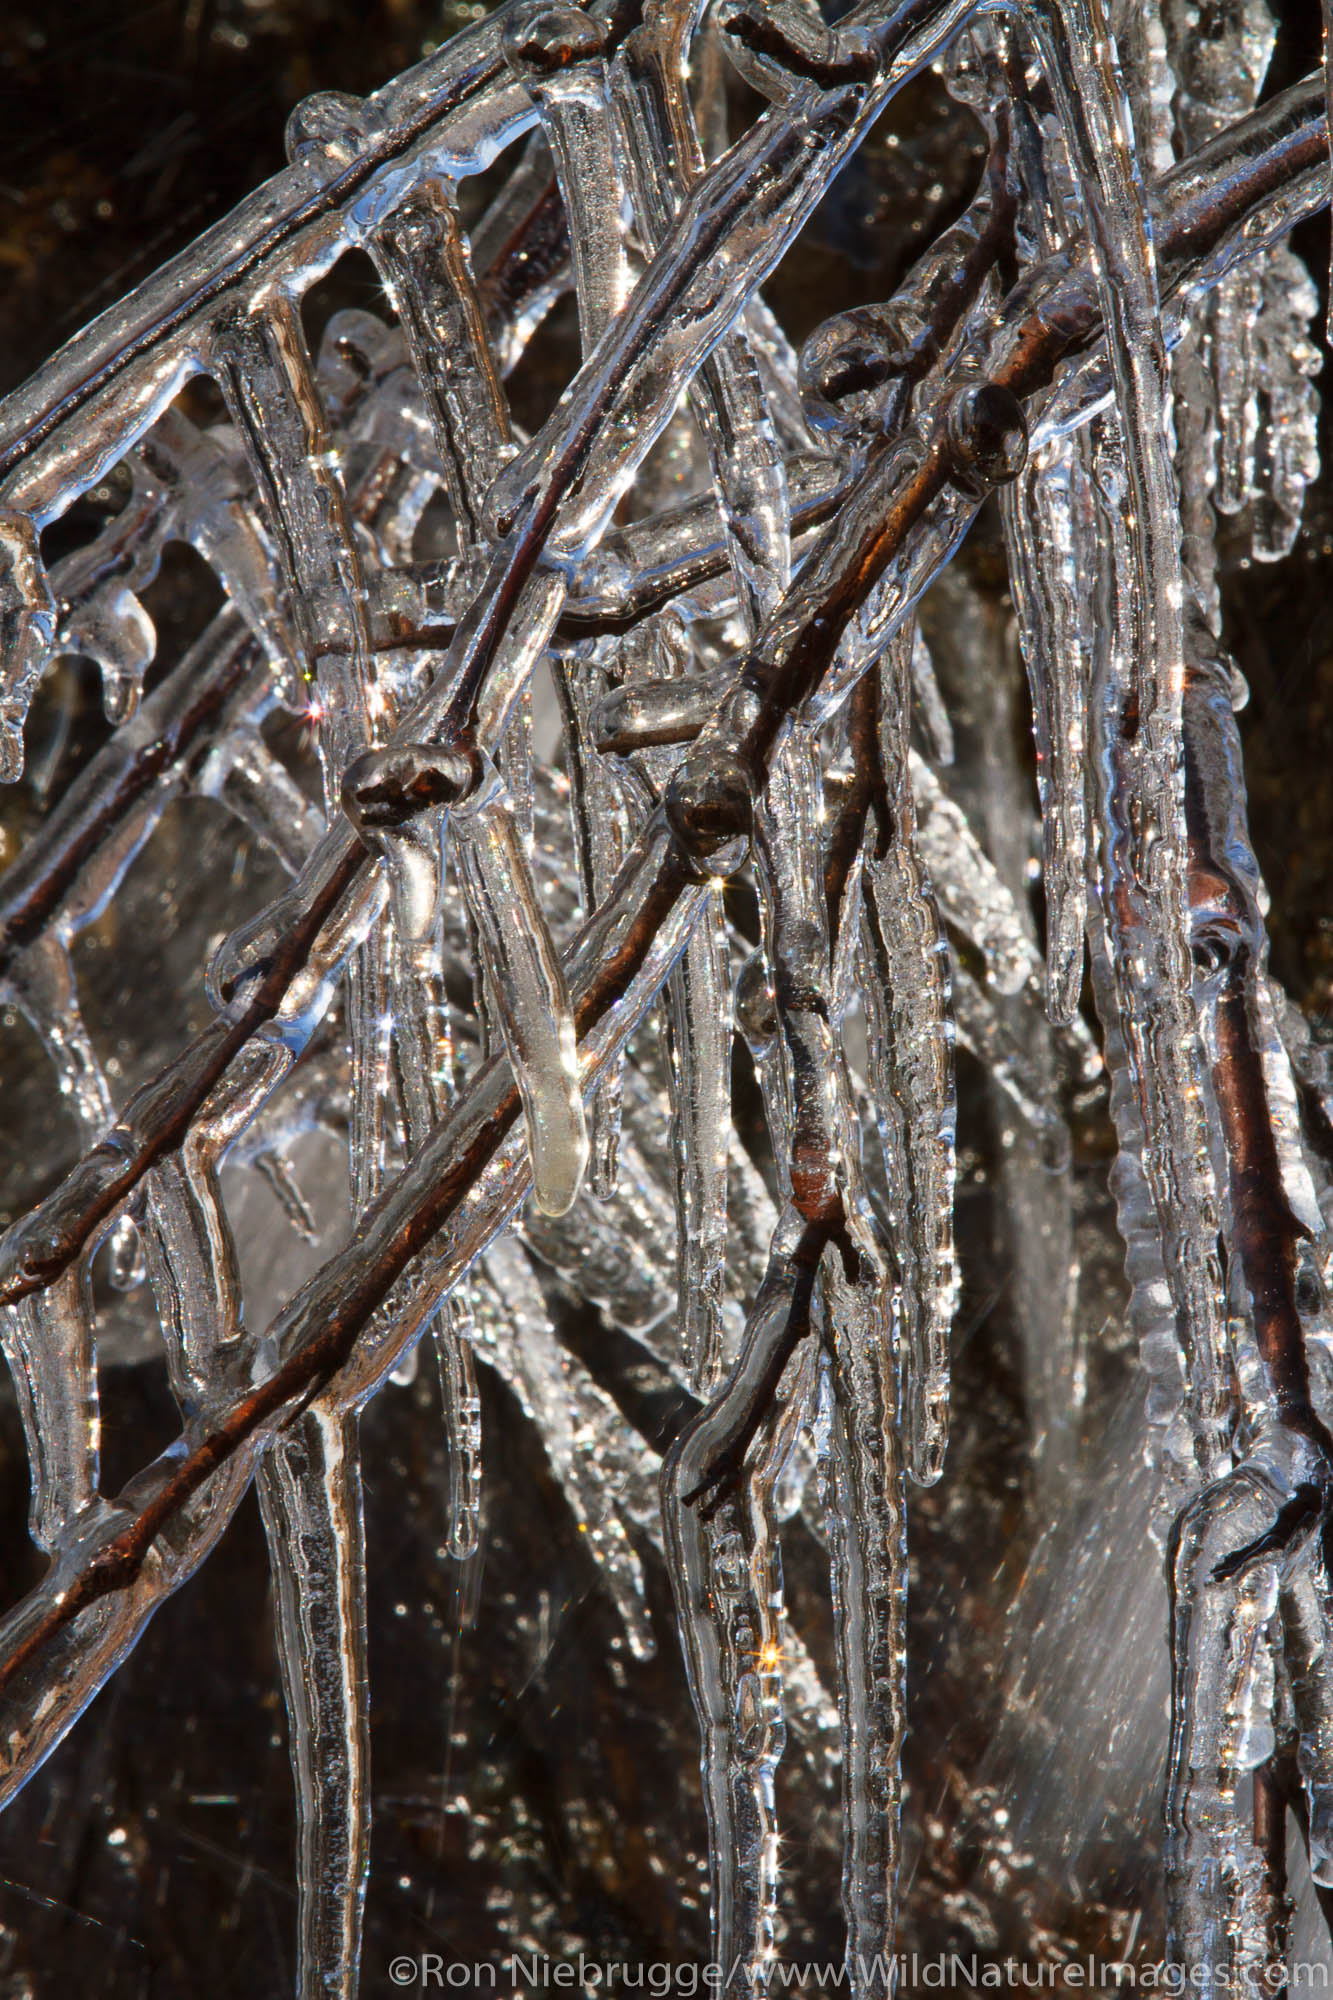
<point>528,985</point>
<point>634,743</point>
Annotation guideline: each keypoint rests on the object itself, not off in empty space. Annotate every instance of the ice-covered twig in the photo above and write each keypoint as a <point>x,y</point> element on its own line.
<point>894,528</point>
<point>1280,146</point>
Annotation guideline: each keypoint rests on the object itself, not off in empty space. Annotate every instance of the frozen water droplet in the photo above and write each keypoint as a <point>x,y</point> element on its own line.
<point>331,125</point>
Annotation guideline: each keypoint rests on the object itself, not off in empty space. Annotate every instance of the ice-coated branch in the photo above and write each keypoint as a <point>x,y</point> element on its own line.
<point>1281,146</point>
<point>738,672</point>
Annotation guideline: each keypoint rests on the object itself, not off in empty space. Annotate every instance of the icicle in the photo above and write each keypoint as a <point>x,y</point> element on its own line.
<point>98,587</point>
<point>188,1241</point>
<point>433,658</point>
<point>728,399</point>
<point>698,1022</point>
<point>1235,308</point>
<point>1081,70</point>
<point>462,1429</point>
<point>576,1420</point>
<point>910,1032</point>
<point>1287,456</point>
<point>1220,1929</point>
<point>265,374</point>
<point>245,776</point>
<point>1145,890</point>
<point>27,631</point>
<point>242,959</point>
<point>310,1498</point>
<point>1259,353</point>
<point>41,980</point>
<point>947,520</point>
<point>425,1058</point>
<point>50,1347</point>
<point>529,988</point>
<point>601,831</point>
<point>277,1170</point>
<point>866,1525</point>
<point>514,758</point>
<point>1151,1312</point>
<point>1151,81</point>
<point>1293,1064</point>
<point>783,1004</point>
<point>423,258</point>
<point>750,475</point>
<point>758,197</point>
<point>200,485</point>
<point>46,1699</point>
<point>862,1332</point>
<point>372,1101</point>
<point>109,812</point>
<point>972,896</point>
<point>777,362</point>
<point>1147,934</point>
<point>417,1005</point>
<point>727,1588</point>
<point>504,225</point>
<point>1049,527</point>
<point>699,1013</point>
<point>393,824</point>
<point>521,249</point>
<point>928,703</point>
<point>558,52</point>
<point>1309,1658</point>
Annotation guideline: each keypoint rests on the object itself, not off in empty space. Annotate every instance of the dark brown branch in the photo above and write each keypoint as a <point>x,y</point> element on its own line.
<point>717,1438</point>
